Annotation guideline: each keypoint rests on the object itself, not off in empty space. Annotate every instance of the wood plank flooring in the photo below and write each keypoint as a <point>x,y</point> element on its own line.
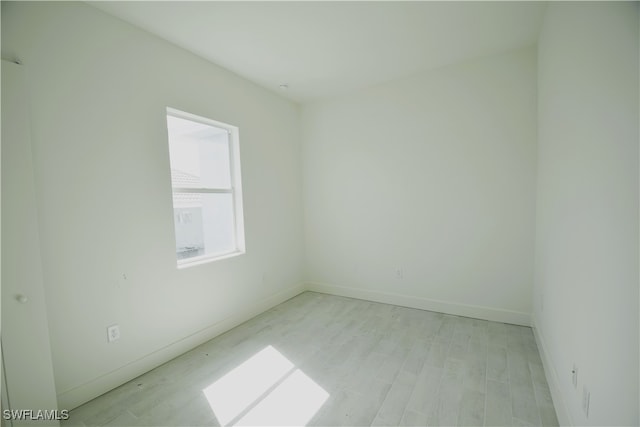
<point>347,362</point>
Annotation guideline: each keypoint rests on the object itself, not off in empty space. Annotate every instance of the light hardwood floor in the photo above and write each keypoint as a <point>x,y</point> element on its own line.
<point>340,361</point>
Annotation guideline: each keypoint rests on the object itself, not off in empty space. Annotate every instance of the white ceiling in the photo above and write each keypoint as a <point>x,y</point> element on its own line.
<point>324,49</point>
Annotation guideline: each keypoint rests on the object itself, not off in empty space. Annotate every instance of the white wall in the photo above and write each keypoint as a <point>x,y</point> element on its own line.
<point>586,290</point>
<point>98,93</point>
<point>434,175</point>
<point>25,336</point>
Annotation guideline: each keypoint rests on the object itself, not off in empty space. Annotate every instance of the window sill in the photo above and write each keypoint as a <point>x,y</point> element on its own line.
<point>205,259</point>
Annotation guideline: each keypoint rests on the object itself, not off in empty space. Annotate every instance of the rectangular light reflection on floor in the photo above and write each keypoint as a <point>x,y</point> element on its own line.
<point>240,388</point>
<point>293,402</point>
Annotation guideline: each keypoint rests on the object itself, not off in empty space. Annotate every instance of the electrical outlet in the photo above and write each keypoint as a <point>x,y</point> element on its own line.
<point>113,333</point>
<point>399,273</point>
<point>586,396</point>
<point>574,376</point>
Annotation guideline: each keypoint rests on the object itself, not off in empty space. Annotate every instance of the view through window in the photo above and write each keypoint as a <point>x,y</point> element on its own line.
<point>205,179</point>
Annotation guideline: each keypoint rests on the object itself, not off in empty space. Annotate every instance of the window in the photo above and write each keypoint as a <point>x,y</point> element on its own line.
<point>207,193</point>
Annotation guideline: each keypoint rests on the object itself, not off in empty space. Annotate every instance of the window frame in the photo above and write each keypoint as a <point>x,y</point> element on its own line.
<point>235,190</point>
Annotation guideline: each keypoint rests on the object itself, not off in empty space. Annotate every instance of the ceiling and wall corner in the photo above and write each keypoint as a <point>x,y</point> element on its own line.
<point>324,49</point>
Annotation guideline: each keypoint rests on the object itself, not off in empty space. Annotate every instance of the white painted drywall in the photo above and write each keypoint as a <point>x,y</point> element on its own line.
<point>25,335</point>
<point>433,175</point>
<point>98,92</point>
<point>586,287</point>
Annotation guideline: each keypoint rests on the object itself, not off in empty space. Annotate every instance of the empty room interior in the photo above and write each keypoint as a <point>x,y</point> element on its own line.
<point>320,213</point>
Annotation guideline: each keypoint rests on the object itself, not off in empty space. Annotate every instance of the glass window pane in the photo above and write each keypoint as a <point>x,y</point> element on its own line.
<point>199,154</point>
<point>204,224</point>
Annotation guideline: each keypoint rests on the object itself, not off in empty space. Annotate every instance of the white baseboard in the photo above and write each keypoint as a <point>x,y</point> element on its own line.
<point>76,396</point>
<point>474,311</point>
<point>564,419</point>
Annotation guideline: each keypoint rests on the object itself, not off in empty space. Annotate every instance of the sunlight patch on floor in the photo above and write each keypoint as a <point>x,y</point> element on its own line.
<point>234,392</point>
<point>265,390</point>
<point>292,403</point>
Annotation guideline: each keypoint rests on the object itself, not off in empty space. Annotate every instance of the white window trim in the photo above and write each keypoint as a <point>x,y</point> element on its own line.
<point>235,190</point>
